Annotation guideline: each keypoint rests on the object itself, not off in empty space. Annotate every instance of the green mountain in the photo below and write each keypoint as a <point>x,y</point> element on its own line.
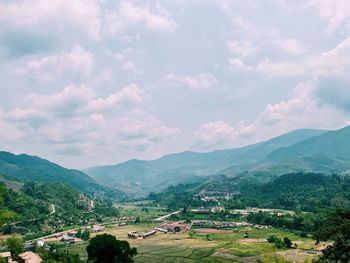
<point>31,168</point>
<point>331,143</point>
<point>144,176</point>
<point>36,206</point>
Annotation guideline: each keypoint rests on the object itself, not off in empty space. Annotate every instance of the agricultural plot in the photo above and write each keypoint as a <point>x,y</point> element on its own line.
<point>208,245</point>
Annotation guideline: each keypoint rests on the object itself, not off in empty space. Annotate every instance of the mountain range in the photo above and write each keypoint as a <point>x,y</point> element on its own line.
<point>305,150</point>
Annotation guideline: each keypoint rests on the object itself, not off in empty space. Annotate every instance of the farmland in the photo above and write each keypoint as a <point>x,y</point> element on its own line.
<point>203,244</point>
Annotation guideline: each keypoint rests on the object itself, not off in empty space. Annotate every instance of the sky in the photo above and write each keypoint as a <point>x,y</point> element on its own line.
<point>92,82</point>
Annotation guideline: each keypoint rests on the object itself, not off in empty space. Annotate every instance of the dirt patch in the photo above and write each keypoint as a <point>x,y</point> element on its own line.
<point>222,253</point>
<point>297,255</point>
<point>251,240</point>
<point>212,230</point>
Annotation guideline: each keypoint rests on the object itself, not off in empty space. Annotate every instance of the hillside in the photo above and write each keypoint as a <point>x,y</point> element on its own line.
<point>296,191</point>
<point>47,205</point>
<point>331,143</point>
<point>144,176</point>
<point>32,168</point>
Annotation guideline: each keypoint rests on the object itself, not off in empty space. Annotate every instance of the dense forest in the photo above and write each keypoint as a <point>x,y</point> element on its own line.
<point>298,191</point>
<point>307,192</point>
<point>52,205</point>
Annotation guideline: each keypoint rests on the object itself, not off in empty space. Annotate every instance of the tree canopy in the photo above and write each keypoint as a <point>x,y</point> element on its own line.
<point>336,228</point>
<point>107,249</point>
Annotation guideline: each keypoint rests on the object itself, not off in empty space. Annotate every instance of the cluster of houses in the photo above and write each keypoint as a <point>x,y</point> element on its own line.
<point>173,227</point>
<point>138,235</point>
<point>223,224</point>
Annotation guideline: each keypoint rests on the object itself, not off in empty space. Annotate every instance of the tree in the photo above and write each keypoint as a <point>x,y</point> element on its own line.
<point>107,249</point>
<point>336,228</point>
<point>287,242</point>
<point>15,245</point>
<point>137,220</point>
<point>85,235</point>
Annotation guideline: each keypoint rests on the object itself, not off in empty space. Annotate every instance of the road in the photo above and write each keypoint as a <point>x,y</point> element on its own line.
<point>162,218</point>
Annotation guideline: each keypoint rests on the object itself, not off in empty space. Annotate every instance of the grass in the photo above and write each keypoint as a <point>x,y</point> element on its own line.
<point>180,247</point>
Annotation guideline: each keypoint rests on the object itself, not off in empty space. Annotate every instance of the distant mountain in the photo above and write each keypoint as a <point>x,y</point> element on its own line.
<point>331,143</point>
<point>143,176</point>
<point>328,153</point>
<point>32,168</point>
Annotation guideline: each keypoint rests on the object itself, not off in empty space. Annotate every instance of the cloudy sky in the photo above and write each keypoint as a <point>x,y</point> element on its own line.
<point>85,82</point>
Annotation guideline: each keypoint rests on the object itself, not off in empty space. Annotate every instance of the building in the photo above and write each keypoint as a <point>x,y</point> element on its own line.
<point>97,228</point>
<point>217,209</point>
<point>201,211</point>
<point>148,234</point>
<point>67,239</point>
<point>134,234</point>
<point>29,257</point>
<point>176,227</point>
<point>222,224</point>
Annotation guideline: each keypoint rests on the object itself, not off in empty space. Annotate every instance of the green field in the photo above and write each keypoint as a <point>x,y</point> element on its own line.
<point>228,246</point>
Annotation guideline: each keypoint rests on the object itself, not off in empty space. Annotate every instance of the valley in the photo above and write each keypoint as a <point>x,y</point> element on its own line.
<point>266,202</point>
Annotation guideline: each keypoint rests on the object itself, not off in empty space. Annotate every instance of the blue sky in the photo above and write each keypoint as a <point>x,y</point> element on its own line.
<point>86,82</point>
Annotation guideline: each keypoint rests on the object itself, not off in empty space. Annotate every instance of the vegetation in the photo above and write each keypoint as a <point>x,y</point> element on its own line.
<point>106,248</point>
<point>53,205</point>
<point>280,243</point>
<point>298,191</point>
<point>336,228</point>
<point>15,245</point>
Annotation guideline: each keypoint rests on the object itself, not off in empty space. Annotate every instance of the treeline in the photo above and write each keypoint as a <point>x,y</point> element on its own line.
<point>308,192</point>
<point>298,192</point>
<point>303,223</point>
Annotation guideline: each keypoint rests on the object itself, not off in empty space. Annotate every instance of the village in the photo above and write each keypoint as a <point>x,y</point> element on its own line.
<point>138,224</point>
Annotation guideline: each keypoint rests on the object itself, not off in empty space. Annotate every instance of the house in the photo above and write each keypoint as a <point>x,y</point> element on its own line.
<point>200,211</point>
<point>160,229</point>
<point>97,228</point>
<point>262,227</point>
<point>67,239</point>
<point>217,209</point>
<point>30,257</point>
<point>40,243</point>
<point>134,234</point>
<point>148,234</point>
<point>175,227</point>
<point>222,224</point>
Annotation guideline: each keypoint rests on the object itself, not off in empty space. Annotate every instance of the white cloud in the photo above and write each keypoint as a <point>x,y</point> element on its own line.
<point>237,64</point>
<point>77,122</point>
<point>201,81</point>
<point>243,49</point>
<point>154,18</point>
<point>283,68</point>
<point>129,95</point>
<point>290,46</point>
<point>335,12</point>
<point>81,15</point>
<point>215,134</point>
<point>300,111</point>
<point>48,68</point>
<point>131,66</point>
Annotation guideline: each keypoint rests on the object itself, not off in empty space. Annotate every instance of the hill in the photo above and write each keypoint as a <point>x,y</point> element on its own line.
<point>332,143</point>
<point>32,168</point>
<point>139,176</point>
<point>296,191</point>
<point>36,206</point>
